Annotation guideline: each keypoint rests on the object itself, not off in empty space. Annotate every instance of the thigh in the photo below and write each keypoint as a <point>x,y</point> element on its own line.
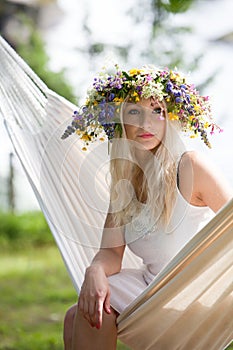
<point>87,337</point>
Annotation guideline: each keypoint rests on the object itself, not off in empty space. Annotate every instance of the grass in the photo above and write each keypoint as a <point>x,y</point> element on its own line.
<point>35,293</point>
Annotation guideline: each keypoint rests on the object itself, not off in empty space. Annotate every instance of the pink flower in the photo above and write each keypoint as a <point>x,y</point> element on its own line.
<point>149,78</point>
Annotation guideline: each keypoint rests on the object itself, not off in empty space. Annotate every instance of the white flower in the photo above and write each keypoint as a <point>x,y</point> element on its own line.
<point>153,89</point>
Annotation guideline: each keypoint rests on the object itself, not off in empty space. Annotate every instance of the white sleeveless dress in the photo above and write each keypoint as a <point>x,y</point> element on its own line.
<point>156,247</point>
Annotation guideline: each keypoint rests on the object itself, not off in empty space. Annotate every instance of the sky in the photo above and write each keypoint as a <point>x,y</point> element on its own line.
<point>209,20</point>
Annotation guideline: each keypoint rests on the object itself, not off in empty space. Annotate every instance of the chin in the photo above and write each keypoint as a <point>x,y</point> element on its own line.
<point>148,146</point>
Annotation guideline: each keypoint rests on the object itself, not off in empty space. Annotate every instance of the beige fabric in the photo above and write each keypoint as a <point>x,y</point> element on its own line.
<point>190,301</point>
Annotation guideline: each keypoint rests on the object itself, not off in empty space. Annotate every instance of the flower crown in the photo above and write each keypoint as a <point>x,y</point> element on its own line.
<point>99,117</point>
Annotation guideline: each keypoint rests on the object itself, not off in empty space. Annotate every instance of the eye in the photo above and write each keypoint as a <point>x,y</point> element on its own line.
<point>157,110</point>
<point>133,111</point>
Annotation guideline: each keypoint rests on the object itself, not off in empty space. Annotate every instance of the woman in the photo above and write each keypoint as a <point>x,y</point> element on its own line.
<point>160,196</point>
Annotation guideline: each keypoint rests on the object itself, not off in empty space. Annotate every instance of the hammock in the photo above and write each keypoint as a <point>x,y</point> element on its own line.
<point>189,305</point>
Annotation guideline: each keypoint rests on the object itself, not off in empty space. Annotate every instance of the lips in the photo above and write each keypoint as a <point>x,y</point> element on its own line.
<point>146,135</point>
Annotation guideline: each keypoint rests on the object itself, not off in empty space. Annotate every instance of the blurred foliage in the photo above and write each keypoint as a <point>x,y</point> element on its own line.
<point>165,39</point>
<point>164,43</point>
<point>174,6</point>
<point>23,230</point>
<point>18,24</point>
<point>162,46</point>
<point>33,51</point>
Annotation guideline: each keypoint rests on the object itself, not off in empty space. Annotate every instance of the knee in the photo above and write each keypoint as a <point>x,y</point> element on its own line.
<point>69,316</point>
<point>68,327</point>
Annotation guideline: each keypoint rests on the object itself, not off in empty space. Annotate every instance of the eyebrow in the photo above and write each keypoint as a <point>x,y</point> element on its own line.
<point>133,105</point>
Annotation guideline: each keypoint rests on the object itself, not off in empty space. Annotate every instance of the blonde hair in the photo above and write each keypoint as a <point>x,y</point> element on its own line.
<point>154,185</point>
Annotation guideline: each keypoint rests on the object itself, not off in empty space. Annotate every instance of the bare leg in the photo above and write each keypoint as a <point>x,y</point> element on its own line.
<point>68,327</point>
<point>79,335</point>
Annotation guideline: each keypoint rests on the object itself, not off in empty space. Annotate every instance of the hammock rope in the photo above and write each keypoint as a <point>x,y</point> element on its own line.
<point>189,305</point>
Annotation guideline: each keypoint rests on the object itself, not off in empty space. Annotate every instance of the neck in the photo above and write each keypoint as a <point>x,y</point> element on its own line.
<point>144,156</point>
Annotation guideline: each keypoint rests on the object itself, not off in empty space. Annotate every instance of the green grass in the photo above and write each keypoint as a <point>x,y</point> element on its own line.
<point>35,293</point>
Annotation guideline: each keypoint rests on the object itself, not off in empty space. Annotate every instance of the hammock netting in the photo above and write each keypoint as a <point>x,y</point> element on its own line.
<point>189,305</point>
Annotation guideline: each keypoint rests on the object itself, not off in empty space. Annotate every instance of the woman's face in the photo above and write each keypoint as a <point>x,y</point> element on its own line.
<point>144,123</point>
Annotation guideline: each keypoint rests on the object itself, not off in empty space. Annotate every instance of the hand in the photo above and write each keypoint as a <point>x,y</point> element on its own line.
<point>94,296</point>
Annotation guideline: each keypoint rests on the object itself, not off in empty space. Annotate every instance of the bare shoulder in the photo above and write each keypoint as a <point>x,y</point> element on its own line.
<point>195,159</point>
<point>209,186</point>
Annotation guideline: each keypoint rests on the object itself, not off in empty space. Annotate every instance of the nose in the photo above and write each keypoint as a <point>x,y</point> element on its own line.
<point>146,120</point>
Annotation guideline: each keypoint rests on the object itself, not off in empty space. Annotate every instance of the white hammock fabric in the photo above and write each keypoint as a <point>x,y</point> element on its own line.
<point>189,305</point>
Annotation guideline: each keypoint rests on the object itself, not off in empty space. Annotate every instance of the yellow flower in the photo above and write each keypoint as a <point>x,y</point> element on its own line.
<point>168,99</point>
<point>118,100</point>
<point>206,125</point>
<point>134,71</point>
<point>173,116</point>
<point>174,76</point>
<point>86,137</point>
<point>197,108</point>
<point>194,136</point>
<point>84,149</point>
<point>102,139</point>
<point>135,96</point>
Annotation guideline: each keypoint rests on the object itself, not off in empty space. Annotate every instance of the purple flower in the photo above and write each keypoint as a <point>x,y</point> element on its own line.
<point>102,103</point>
<point>101,116</point>
<point>177,93</point>
<point>111,96</point>
<point>178,100</point>
<point>169,87</point>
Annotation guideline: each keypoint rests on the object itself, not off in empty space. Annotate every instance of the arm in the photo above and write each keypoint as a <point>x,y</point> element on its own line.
<point>95,293</point>
<point>202,184</point>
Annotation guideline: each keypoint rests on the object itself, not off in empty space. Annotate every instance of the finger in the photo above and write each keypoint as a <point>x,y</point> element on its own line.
<point>99,313</point>
<point>85,309</point>
<point>107,306</point>
<point>92,311</point>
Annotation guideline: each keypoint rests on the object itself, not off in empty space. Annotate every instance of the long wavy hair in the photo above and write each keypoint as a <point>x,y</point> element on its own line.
<point>153,184</point>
